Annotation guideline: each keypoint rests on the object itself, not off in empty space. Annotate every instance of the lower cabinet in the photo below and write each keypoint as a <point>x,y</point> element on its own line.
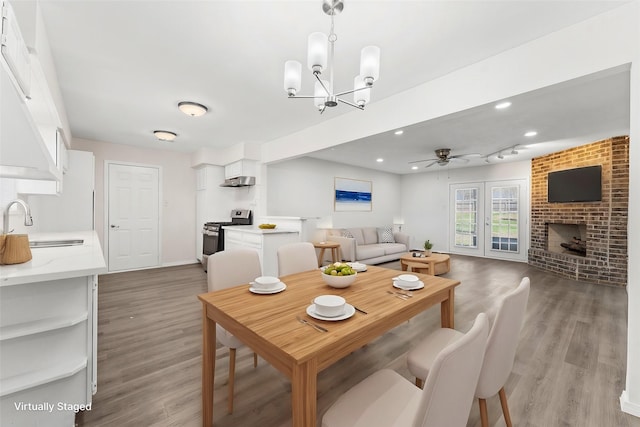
<point>48,348</point>
<point>266,244</point>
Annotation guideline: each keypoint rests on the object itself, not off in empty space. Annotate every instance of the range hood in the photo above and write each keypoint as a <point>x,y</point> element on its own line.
<point>239,181</point>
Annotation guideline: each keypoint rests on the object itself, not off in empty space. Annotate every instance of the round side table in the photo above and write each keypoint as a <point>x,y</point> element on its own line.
<point>335,251</point>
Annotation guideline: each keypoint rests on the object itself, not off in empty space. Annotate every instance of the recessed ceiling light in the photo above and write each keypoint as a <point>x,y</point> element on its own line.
<point>192,109</point>
<point>503,105</point>
<point>379,160</point>
<point>414,168</point>
<point>399,132</point>
<point>165,135</point>
<point>531,133</point>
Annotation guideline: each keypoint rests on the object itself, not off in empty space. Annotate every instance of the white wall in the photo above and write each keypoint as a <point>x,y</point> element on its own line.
<point>305,187</point>
<point>425,198</point>
<point>178,194</point>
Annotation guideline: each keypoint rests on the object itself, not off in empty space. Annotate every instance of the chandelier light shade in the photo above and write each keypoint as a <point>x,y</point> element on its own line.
<point>320,59</point>
<point>165,135</point>
<point>317,51</point>
<point>292,77</point>
<point>192,109</point>
<point>370,64</point>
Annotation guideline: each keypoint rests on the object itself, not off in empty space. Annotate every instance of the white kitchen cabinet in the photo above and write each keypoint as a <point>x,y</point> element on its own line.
<point>240,168</point>
<point>265,242</point>
<point>48,332</point>
<point>30,117</point>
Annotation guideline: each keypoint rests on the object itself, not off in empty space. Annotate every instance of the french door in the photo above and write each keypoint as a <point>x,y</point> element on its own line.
<point>489,219</point>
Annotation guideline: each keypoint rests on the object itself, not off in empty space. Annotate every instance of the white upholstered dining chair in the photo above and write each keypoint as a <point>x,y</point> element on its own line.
<point>386,399</point>
<point>296,257</point>
<point>499,354</point>
<point>226,269</point>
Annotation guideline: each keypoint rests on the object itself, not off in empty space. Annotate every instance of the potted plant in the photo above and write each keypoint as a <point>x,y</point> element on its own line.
<point>427,248</point>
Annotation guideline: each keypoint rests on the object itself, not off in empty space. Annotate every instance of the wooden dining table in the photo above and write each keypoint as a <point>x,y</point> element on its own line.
<point>268,325</point>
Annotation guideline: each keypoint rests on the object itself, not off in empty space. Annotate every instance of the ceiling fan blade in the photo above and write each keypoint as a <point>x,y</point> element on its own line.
<point>431,164</point>
<point>425,160</point>
<point>466,156</point>
<point>458,159</point>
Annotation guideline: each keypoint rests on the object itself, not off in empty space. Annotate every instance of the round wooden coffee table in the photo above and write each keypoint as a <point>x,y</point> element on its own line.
<point>435,264</point>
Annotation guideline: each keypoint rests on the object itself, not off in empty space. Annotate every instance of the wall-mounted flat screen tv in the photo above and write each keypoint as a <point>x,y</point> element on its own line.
<point>575,185</point>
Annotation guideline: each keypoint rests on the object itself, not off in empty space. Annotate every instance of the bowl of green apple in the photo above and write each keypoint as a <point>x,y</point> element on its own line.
<point>339,275</point>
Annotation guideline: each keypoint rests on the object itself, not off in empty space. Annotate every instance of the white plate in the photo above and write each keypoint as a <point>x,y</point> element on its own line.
<point>349,311</point>
<point>419,285</point>
<point>357,266</point>
<point>280,288</point>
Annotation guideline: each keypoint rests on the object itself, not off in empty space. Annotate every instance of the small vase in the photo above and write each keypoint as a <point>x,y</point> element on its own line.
<point>427,252</point>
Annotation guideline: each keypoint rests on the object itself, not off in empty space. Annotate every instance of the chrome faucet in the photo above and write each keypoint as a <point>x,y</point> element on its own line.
<point>28,221</point>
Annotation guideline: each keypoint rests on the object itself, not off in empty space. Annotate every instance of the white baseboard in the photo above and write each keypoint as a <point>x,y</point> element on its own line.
<point>183,262</point>
<point>629,407</point>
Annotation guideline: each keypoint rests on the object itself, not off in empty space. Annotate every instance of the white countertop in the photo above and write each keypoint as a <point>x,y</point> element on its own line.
<point>58,262</point>
<point>255,230</point>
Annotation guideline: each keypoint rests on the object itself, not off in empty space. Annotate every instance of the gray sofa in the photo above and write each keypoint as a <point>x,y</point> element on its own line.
<point>369,245</point>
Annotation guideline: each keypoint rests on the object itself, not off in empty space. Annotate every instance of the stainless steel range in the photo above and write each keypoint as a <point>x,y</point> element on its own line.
<point>213,233</point>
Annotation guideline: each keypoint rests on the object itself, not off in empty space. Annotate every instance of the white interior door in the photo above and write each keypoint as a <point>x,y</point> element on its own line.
<point>489,219</point>
<point>133,217</point>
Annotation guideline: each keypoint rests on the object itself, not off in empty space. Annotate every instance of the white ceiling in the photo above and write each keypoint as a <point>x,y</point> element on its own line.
<point>124,65</point>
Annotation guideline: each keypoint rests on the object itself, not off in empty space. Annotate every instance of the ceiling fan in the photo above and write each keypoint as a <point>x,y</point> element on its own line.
<point>443,158</point>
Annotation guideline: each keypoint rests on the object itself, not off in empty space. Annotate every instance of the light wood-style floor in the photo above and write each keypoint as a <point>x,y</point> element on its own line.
<point>569,368</point>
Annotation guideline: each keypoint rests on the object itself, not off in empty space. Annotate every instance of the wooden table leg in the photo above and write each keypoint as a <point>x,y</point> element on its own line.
<point>208,366</point>
<point>447,311</point>
<point>320,257</point>
<point>403,266</point>
<point>304,394</point>
<point>335,254</point>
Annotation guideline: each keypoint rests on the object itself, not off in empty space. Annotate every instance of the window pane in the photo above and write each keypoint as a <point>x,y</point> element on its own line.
<point>504,219</point>
<point>466,217</point>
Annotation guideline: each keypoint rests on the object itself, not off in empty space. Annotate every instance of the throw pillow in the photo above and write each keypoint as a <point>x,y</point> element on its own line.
<point>385,235</point>
<point>346,233</point>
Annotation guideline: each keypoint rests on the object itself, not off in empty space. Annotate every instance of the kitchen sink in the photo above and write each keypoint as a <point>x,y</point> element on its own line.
<point>55,243</point>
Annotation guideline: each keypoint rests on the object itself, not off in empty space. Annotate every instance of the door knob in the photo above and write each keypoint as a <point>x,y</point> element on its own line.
<point>115,226</point>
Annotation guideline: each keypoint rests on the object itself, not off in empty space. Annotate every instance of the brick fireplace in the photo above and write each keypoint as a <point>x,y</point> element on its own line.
<point>602,225</point>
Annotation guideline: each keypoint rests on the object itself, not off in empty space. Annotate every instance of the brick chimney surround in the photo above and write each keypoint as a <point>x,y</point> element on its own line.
<point>602,224</point>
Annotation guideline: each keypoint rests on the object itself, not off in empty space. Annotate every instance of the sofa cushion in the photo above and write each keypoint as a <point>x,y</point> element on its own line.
<point>393,248</point>
<point>357,233</point>
<point>333,232</point>
<point>370,235</point>
<point>385,235</point>
<point>369,251</point>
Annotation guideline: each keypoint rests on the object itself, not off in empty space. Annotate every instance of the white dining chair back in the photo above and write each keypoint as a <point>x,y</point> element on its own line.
<point>226,269</point>
<point>501,348</point>
<point>387,399</point>
<point>232,268</point>
<point>499,354</point>
<point>296,258</point>
<point>450,386</point>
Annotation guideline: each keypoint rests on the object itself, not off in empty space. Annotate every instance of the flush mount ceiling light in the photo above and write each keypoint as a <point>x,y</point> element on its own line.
<point>531,133</point>
<point>399,132</point>
<point>165,135</point>
<point>320,59</point>
<point>192,109</point>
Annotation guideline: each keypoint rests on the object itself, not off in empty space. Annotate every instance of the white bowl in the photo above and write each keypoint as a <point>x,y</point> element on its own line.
<point>329,305</point>
<point>338,281</point>
<point>266,282</point>
<point>408,278</point>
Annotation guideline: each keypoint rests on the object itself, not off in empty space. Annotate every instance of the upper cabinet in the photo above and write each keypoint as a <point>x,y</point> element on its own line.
<point>30,122</point>
<point>240,168</point>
